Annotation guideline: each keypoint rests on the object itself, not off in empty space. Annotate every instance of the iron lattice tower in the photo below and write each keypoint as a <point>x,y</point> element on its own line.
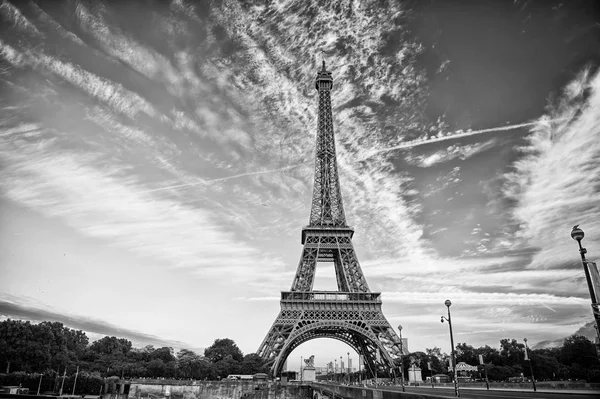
<point>353,313</point>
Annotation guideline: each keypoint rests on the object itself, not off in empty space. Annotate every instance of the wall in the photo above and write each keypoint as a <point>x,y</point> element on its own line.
<point>160,389</point>
<point>354,392</point>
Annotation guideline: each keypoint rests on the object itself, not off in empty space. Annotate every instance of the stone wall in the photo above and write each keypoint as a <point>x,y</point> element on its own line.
<point>324,391</point>
<point>165,389</point>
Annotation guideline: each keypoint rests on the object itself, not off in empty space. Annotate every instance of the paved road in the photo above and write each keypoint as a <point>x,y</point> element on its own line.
<point>497,394</point>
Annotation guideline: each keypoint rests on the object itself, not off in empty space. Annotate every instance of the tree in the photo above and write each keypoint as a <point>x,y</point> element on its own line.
<point>466,353</point>
<point>512,351</point>
<point>165,354</point>
<point>545,366</point>
<point>252,364</point>
<point>226,366</point>
<point>577,349</point>
<point>14,336</point>
<point>156,368</point>
<point>189,363</point>
<point>437,359</point>
<point>490,355</point>
<point>500,373</point>
<point>111,346</point>
<point>222,348</point>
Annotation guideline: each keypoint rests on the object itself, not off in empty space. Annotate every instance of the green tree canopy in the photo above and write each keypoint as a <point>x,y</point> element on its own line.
<point>222,348</point>
<point>111,346</point>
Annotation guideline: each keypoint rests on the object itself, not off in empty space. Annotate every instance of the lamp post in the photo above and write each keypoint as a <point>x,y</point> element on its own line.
<point>335,370</point>
<point>577,234</point>
<point>431,371</point>
<point>359,369</point>
<point>401,359</point>
<point>40,385</point>
<point>301,359</point>
<point>341,369</point>
<point>597,342</point>
<point>530,366</point>
<point>348,367</point>
<point>449,320</point>
<point>75,382</point>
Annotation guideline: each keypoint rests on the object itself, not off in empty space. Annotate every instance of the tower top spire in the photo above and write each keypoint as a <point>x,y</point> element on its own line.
<point>327,209</point>
<point>324,80</point>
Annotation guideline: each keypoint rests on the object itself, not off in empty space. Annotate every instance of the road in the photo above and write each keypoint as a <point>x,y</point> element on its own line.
<point>497,394</point>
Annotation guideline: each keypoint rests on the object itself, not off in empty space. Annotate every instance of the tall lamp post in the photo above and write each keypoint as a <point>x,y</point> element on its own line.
<point>401,359</point>
<point>597,342</point>
<point>335,377</point>
<point>530,366</point>
<point>348,367</point>
<point>449,320</point>
<point>577,234</point>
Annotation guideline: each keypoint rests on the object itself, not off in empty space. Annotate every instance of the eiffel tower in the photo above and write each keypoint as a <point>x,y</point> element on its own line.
<point>353,313</point>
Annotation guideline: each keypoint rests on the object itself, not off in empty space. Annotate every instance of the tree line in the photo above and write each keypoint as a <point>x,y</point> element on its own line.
<point>576,359</point>
<point>53,349</point>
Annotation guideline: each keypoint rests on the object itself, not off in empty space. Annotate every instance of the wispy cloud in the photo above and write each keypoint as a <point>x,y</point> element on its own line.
<point>478,299</point>
<point>452,152</point>
<point>118,98</point>
<point>13,15</point>
<point>221,179</point>
<point>444,136</point>
<point>556,184</point>
<point>97,200</point>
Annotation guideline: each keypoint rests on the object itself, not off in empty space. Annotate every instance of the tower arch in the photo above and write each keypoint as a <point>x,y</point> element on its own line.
<point>356,335</point>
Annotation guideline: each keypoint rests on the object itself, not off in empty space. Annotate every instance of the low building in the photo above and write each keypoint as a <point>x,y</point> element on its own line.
<point>439,378</point>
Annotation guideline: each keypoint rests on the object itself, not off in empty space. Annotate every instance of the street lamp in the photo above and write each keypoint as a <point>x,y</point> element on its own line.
<point>577,234</point>
<point>401,359</point>
<point>348,367</point>
<point>335,377</point>
<point>530,366</point>
<point>341,369</point>
<point>597,342</point>
<point>449,320</point>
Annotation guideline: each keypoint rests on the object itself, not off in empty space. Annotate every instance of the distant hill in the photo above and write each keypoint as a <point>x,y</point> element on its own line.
<point>587,330</point>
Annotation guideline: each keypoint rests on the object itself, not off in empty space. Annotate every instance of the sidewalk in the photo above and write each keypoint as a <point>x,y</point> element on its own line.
<point>544,390</point>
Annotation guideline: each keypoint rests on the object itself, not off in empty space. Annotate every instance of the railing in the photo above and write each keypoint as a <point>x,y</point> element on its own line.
<point>328,296</point>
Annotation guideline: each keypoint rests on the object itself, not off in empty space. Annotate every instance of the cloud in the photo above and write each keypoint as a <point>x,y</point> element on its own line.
<point>259,298</point>
<point>99,200</point>
<point>115,95</point>
<point>19,309</point>
<point>221,179</point>
<point>441,136</point>
<point>16,17</point>
<point>479,299</point>
<point>452,152</point>
<point>556,184</point>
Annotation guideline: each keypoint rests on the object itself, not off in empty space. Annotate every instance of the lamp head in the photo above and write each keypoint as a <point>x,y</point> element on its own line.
<point>400,327</point>
<point>448,303</point>
<point>442,319</point>
<point>525,339</point>
<point>577,234</point>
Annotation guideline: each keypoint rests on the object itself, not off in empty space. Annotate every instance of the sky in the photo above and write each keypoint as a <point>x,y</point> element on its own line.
<point>156,164</point>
